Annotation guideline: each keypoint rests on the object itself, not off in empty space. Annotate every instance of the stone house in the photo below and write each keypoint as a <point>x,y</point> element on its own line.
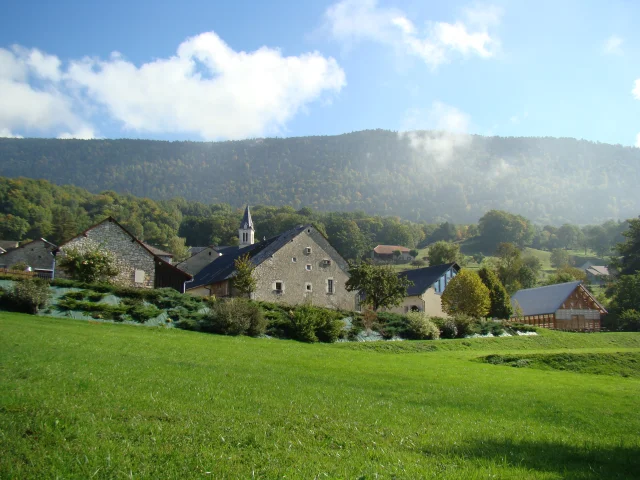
<point>564,306</point>
<point>298,266</point>
<point>428,285</point>
<point>37,254</point>
<point>196,262</point>
<point>6,245</point>
<point>137,263</point>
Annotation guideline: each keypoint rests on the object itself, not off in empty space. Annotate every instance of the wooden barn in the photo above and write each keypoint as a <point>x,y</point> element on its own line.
<point>565,306</point>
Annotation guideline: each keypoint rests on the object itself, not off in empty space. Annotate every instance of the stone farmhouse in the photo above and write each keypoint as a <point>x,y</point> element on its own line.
<point>428,285</point>
<point>386,253</point>
<point>196,262</point>
<point>140,265</point>
<point>298,266</point>
<point>564,306</point>
<point>37,254</point>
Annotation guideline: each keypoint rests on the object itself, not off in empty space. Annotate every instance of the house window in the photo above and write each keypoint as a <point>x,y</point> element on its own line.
<point>308,267</point>
<point>330,286</point>
<point>308,287</point>
<point>278,287</point>
<point>294,259</point>
<point>307,250</point>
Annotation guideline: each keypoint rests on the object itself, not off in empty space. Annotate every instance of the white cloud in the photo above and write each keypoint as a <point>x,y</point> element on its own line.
<point>613,45</point>
<point>354,20</point>
<point>439,132</point>
<point>206,89</point>
<point>636,89</point>
<point>24,106</point>
<point>6,133</point>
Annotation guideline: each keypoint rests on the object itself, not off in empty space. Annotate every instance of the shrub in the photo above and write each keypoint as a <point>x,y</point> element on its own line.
<point>465,324</point>
<point>497,329</point>
<point>483,326</point>
<point>419,263</point>
<point>28,296</point>
<point>449,329</point>
<point>20,267</point>
<point>75,295</point>
<point>141,312</point>
<point>303,324</point>
<point>237,316</point>
<point>91,265</point>
<point>420,327</point>
<point>329,328</point>
<point>392,325</point>
<point>95,296</point>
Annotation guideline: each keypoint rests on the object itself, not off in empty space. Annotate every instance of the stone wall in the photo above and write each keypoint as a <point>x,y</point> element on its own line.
<point>129,254</point>
<point>36,254</point>
<point>301,285</point>
<point>198,261</point>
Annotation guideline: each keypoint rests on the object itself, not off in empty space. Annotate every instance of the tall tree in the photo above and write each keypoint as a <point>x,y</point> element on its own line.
<point>629,261</point>
<point>500,301</point>
<point>380,285</point>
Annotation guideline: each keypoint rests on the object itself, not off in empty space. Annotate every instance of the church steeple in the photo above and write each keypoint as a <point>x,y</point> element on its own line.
<point>247,232</point>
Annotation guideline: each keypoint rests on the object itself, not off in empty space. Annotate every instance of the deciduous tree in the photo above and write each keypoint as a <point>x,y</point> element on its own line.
<point>380,285</point>
<point>466,294</point>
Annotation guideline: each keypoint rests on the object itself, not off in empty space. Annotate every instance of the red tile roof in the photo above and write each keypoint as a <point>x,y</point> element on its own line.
<point>389,249</point>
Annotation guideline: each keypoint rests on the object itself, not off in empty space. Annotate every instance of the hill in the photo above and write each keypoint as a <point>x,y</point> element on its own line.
<point>81,400</point>
<point>426,176</point>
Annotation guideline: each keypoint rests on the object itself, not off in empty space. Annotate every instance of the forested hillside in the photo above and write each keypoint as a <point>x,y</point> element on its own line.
<point>425,176</point>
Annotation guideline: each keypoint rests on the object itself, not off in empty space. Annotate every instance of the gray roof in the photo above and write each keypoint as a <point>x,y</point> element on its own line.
<point>195,250</point>
<point>543,300</point>
<point>247,221</point>
<point>8,244</point>
<point>424,278</point>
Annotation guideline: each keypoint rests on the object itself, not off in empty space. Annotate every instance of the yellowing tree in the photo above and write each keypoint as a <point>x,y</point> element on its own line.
<point>466,294</point>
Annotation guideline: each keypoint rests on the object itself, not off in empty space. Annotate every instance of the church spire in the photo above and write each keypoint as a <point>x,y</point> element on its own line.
<point>246,232</point>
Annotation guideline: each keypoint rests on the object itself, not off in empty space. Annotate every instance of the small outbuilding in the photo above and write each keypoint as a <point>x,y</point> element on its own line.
<point>564,306</point>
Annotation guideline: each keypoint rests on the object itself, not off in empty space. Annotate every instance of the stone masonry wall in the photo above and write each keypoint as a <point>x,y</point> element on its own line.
<point>36,254</point>
<point>129,254</point>
<point>295,276</point>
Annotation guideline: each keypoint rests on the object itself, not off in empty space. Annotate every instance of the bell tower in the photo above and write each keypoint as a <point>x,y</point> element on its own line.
<point>246,233</point>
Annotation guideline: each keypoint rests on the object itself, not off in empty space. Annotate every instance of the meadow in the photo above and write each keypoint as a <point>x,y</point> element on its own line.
<point>85,399</point>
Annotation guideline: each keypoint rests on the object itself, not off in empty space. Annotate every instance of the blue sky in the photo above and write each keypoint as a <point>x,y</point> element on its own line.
<point>210,70</point>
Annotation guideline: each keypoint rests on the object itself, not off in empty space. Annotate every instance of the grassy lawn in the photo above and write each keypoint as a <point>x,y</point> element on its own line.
<point>96,400</point>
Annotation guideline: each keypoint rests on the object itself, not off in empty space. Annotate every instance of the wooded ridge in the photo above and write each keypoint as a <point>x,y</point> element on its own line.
<point>421,176</point>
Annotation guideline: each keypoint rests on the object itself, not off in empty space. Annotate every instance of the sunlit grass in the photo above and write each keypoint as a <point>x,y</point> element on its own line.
<point>82,400</point>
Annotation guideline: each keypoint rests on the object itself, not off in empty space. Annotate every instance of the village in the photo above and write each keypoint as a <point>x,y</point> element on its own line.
<point>300,267</point>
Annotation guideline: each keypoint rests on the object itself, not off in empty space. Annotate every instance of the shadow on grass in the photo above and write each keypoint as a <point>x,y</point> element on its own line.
<point>589,461</point>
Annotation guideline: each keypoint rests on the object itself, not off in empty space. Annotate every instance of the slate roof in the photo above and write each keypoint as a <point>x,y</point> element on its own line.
<point>195,250</point>
<point>424,278</point>
<point>157,251</point>
<point>389,249</point>
<point>543,300</point>
<point>247,221</point>
<point>7,245</point>
<point>223,267</point>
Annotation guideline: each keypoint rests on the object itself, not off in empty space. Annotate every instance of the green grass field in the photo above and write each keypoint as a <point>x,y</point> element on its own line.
<point>97,400</point>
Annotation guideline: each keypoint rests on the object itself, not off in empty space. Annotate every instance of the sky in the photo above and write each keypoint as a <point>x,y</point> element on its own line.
<point>212,70</point>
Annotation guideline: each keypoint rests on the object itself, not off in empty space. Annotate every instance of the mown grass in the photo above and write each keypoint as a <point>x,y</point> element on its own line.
<point>96,400</point>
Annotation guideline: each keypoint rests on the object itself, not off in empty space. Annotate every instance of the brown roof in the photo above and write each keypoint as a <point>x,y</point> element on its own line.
<point>389,249</point>
<point>598,270</point>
